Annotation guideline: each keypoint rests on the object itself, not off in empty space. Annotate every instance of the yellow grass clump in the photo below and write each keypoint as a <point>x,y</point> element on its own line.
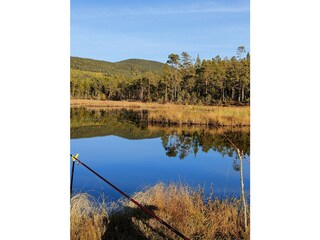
<point>88,218</point>
<point>186,210</point>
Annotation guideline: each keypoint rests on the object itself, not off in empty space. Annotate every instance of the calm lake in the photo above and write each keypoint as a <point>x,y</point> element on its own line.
<point>123,148</point>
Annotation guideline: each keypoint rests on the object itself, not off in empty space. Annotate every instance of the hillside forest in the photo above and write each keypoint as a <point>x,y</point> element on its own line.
<point>181,79</point>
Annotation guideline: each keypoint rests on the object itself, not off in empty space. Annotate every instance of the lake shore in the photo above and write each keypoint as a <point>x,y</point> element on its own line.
<point>175,114</point>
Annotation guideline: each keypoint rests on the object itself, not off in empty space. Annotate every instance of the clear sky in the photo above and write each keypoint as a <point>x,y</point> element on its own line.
<point>146,29</point>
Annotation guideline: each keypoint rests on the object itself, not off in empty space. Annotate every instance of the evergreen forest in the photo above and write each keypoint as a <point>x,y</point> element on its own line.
<point>182,79</point>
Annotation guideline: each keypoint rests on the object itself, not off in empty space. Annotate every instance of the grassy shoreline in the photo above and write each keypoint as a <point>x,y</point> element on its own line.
<point>182,207</point>
<point>174,114</point>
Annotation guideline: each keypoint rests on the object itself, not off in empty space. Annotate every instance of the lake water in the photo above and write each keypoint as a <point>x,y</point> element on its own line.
<point>123,148</point>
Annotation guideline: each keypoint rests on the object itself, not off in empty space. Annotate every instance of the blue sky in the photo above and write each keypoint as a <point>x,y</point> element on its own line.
<point>118,30</point>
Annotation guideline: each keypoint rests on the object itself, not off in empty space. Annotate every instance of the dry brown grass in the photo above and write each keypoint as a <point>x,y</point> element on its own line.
<point>88,218</point>
<point>177,114</point>
<point>202,115</point>
<point>186,210</point>
<point>114,104</point>
<point>179,205</point>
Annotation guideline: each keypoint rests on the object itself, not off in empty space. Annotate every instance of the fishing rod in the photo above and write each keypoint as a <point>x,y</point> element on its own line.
<point>146,210</point>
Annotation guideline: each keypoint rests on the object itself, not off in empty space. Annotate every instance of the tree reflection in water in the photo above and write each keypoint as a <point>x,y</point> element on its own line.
<point>177,141</point>
<point>186,142</point>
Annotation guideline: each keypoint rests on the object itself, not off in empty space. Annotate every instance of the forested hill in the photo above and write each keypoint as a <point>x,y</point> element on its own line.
<point>182,79</point>
<point>126,67</point>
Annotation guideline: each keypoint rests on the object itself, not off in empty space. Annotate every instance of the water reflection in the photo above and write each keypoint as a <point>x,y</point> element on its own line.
<point>188,142</point>
<point>176,141</point>
<point>86,123</point>
<point>132,154</point>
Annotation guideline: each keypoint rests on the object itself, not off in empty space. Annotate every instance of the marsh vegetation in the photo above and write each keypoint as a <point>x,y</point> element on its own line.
<point>175,114</point>
<point>184,208</point>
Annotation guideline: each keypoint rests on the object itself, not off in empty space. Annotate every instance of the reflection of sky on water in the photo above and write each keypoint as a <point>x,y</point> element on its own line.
<point>134,164</point>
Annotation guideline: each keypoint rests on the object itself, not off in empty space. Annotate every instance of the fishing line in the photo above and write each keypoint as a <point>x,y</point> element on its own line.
<point>228,139</point>
<point>146,210</point>
<point>225,184</point>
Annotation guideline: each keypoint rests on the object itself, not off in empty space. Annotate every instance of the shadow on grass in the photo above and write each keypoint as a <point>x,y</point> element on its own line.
<point>121,225</point>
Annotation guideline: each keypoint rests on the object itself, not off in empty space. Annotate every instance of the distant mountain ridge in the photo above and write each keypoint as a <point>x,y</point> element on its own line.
<point>125,67</point>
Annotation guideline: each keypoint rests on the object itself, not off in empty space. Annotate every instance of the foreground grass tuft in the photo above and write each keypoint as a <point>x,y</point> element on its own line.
<point>180,206</point>
<point>88,218</point>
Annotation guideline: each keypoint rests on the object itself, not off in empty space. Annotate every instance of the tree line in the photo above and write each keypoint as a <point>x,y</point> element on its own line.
<point>182,80</point>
